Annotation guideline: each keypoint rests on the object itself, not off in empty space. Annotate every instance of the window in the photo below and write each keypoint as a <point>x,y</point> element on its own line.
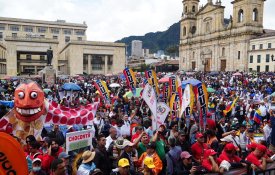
<point>42,57</point>
<point>42,36</point>
<point>97,63</point>
<point>41,29</point>
<point>223,51</point>
<point>193,55</point>
<point>250,69</point>
<point>1,36</point>
<point>240,15</point>
<point>239,55</point>
<point>185,9</point>
<point>207,28</point>
<point>55,30</point>
<point>2,26</point>
<point>67,39</point>
<point>67,31</point>
<point>267,68</point>
<point>253,47</point>
<point>255,14</point>
<point>259,59</point>
<point>14,35</point>
<point>193,9</point>
<point>258,68</point>
<point>28,57</point>
<point>28,28</point>
<point>261,46</point>
<point>193,30</point>
<point>80,32</point>
<point>14,27</point>
<point>269,45</point>
<point>184,31</point>
<point>251,59</point>
<point>267,58</point>
<point>79,38</point>
<point>55,37</point>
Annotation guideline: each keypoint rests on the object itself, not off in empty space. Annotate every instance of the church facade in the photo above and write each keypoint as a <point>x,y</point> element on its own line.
<point>209,42</point>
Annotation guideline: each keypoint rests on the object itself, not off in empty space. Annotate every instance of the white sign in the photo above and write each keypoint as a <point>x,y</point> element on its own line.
<point>162,112</point>
<point>78,140</point>
<point>150,98</point>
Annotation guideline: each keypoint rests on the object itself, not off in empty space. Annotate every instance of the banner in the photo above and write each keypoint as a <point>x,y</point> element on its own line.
<point>162,112</point>
<point>149,96</point>
<point>174,106</point>
<point>151,77</point>
<point>130,79</point>
<point>173,85</point>
<point>186,98</point>
<point>179,90</point>
<point>203,105</point>
<point>12,156</point>
<point>77,140</point>
<point>103,90</point>
<point>166,93</point>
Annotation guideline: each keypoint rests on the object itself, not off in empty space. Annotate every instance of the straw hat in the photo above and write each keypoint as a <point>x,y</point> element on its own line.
<point>88,156</point>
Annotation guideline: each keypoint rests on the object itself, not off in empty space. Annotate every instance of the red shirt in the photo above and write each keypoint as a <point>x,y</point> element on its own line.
<point>253,159</point>
<point>198,150</point>
<point>206,163</point>
<point>234,159</point>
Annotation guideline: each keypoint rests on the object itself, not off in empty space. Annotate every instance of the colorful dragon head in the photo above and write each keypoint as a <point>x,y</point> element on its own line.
<point>29,102</point>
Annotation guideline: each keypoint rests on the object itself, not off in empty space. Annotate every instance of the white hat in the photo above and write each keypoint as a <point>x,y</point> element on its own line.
<point>36,159</point>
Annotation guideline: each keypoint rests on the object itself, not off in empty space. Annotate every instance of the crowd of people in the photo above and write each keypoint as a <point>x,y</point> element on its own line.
<point>124,142</point>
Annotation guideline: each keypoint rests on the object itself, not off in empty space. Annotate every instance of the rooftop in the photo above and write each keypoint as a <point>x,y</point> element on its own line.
<point>31,21</point>
<point>266,33</point>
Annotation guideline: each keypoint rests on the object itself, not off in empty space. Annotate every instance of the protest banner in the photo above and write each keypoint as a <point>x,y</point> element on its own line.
<point>150,98</point>
<point>79,139</point>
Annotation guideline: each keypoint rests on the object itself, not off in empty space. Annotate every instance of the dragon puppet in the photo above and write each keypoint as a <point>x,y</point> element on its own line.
<point>32,110</point>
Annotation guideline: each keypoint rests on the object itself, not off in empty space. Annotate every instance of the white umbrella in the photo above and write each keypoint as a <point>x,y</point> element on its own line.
<point>114,85</point>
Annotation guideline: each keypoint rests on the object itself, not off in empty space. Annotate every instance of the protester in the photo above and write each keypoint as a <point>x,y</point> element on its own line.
<point>198,149</point>
<point>88,164</point>
<point>58,167</point>
<point>36,167</point>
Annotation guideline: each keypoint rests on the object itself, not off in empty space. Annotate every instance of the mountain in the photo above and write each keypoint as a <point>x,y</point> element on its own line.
<point>167,40</point>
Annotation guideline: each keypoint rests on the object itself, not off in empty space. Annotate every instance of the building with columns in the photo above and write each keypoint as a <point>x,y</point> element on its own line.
<point>24,43</point>
<point>209,42</point>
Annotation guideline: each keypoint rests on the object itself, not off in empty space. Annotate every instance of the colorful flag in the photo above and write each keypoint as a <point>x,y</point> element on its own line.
<point>162,112</point>
<point>151,77</point>
<point>130,79</point>
<point>258,116</point>
<point>230,106</point>
<point>103,90</point>
<point>187,98</point>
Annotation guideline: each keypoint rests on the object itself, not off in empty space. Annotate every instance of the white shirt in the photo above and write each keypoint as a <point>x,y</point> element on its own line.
<point>267,131</point>
<point>235,140</point>
<point>109,140</point>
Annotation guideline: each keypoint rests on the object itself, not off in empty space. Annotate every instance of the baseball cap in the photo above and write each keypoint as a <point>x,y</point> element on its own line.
<point>63,155</point>
<point>209,152</point>
<point>199,135</point>
<point>123,162</point>
<point>148,161</point>
<point>185,155</point>
<point>261,148</point>
<point>230,147</point>
<point>36,160</point>
<point>226,139</point>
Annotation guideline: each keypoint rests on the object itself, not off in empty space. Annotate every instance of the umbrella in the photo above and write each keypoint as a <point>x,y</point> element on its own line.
<point>129,94</point>
<point>194,82</point>
<point>237,74</point>
<point>210,90</point>
<point>114,85</point>
<point>71,87</point>
<point>164,80</point>
<point>47,90</point>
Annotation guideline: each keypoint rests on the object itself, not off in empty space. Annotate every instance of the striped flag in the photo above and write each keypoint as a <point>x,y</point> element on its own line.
<point>230,106</point>
<point>258,116</point>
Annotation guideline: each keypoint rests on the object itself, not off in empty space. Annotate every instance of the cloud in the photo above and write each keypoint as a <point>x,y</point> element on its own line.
<point>110,20</point>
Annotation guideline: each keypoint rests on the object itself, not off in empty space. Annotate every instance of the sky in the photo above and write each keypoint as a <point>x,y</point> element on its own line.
<point>111,20</point>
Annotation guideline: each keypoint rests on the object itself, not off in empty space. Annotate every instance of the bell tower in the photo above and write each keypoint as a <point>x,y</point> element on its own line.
<point>248,13</point>
<point>188,22</point>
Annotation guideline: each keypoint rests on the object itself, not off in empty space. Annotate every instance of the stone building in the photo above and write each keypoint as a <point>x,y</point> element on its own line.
<point>24,43</point>
<point>209,42</point>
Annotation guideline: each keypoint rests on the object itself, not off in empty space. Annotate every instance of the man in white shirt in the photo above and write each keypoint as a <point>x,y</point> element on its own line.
<point>111,138</point>
<point>233,137</point>
<point>267,131</point>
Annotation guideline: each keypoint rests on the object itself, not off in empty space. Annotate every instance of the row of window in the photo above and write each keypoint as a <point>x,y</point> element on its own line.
<point>269,46</point>
<point>258,69</point>
<point>254,15</point>
<point>43,29</point>
<point>267,58</point>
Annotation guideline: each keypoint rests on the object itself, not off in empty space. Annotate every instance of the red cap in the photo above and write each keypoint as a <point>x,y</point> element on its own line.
<point>199,135</point>
<point>209,152</point>
<point>261,148</point>
<point>252,145</point>
<point>230,147</point>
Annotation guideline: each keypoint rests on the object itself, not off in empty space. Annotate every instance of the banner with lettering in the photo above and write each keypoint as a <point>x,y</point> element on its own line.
<point>173,85</point>
<point>79,139</point>
<point>151,77</point>
<point>150,98</point>
<point>201,96</point>
<point>103,90</point>
<point>166,92</point>
<point>130,79</point>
